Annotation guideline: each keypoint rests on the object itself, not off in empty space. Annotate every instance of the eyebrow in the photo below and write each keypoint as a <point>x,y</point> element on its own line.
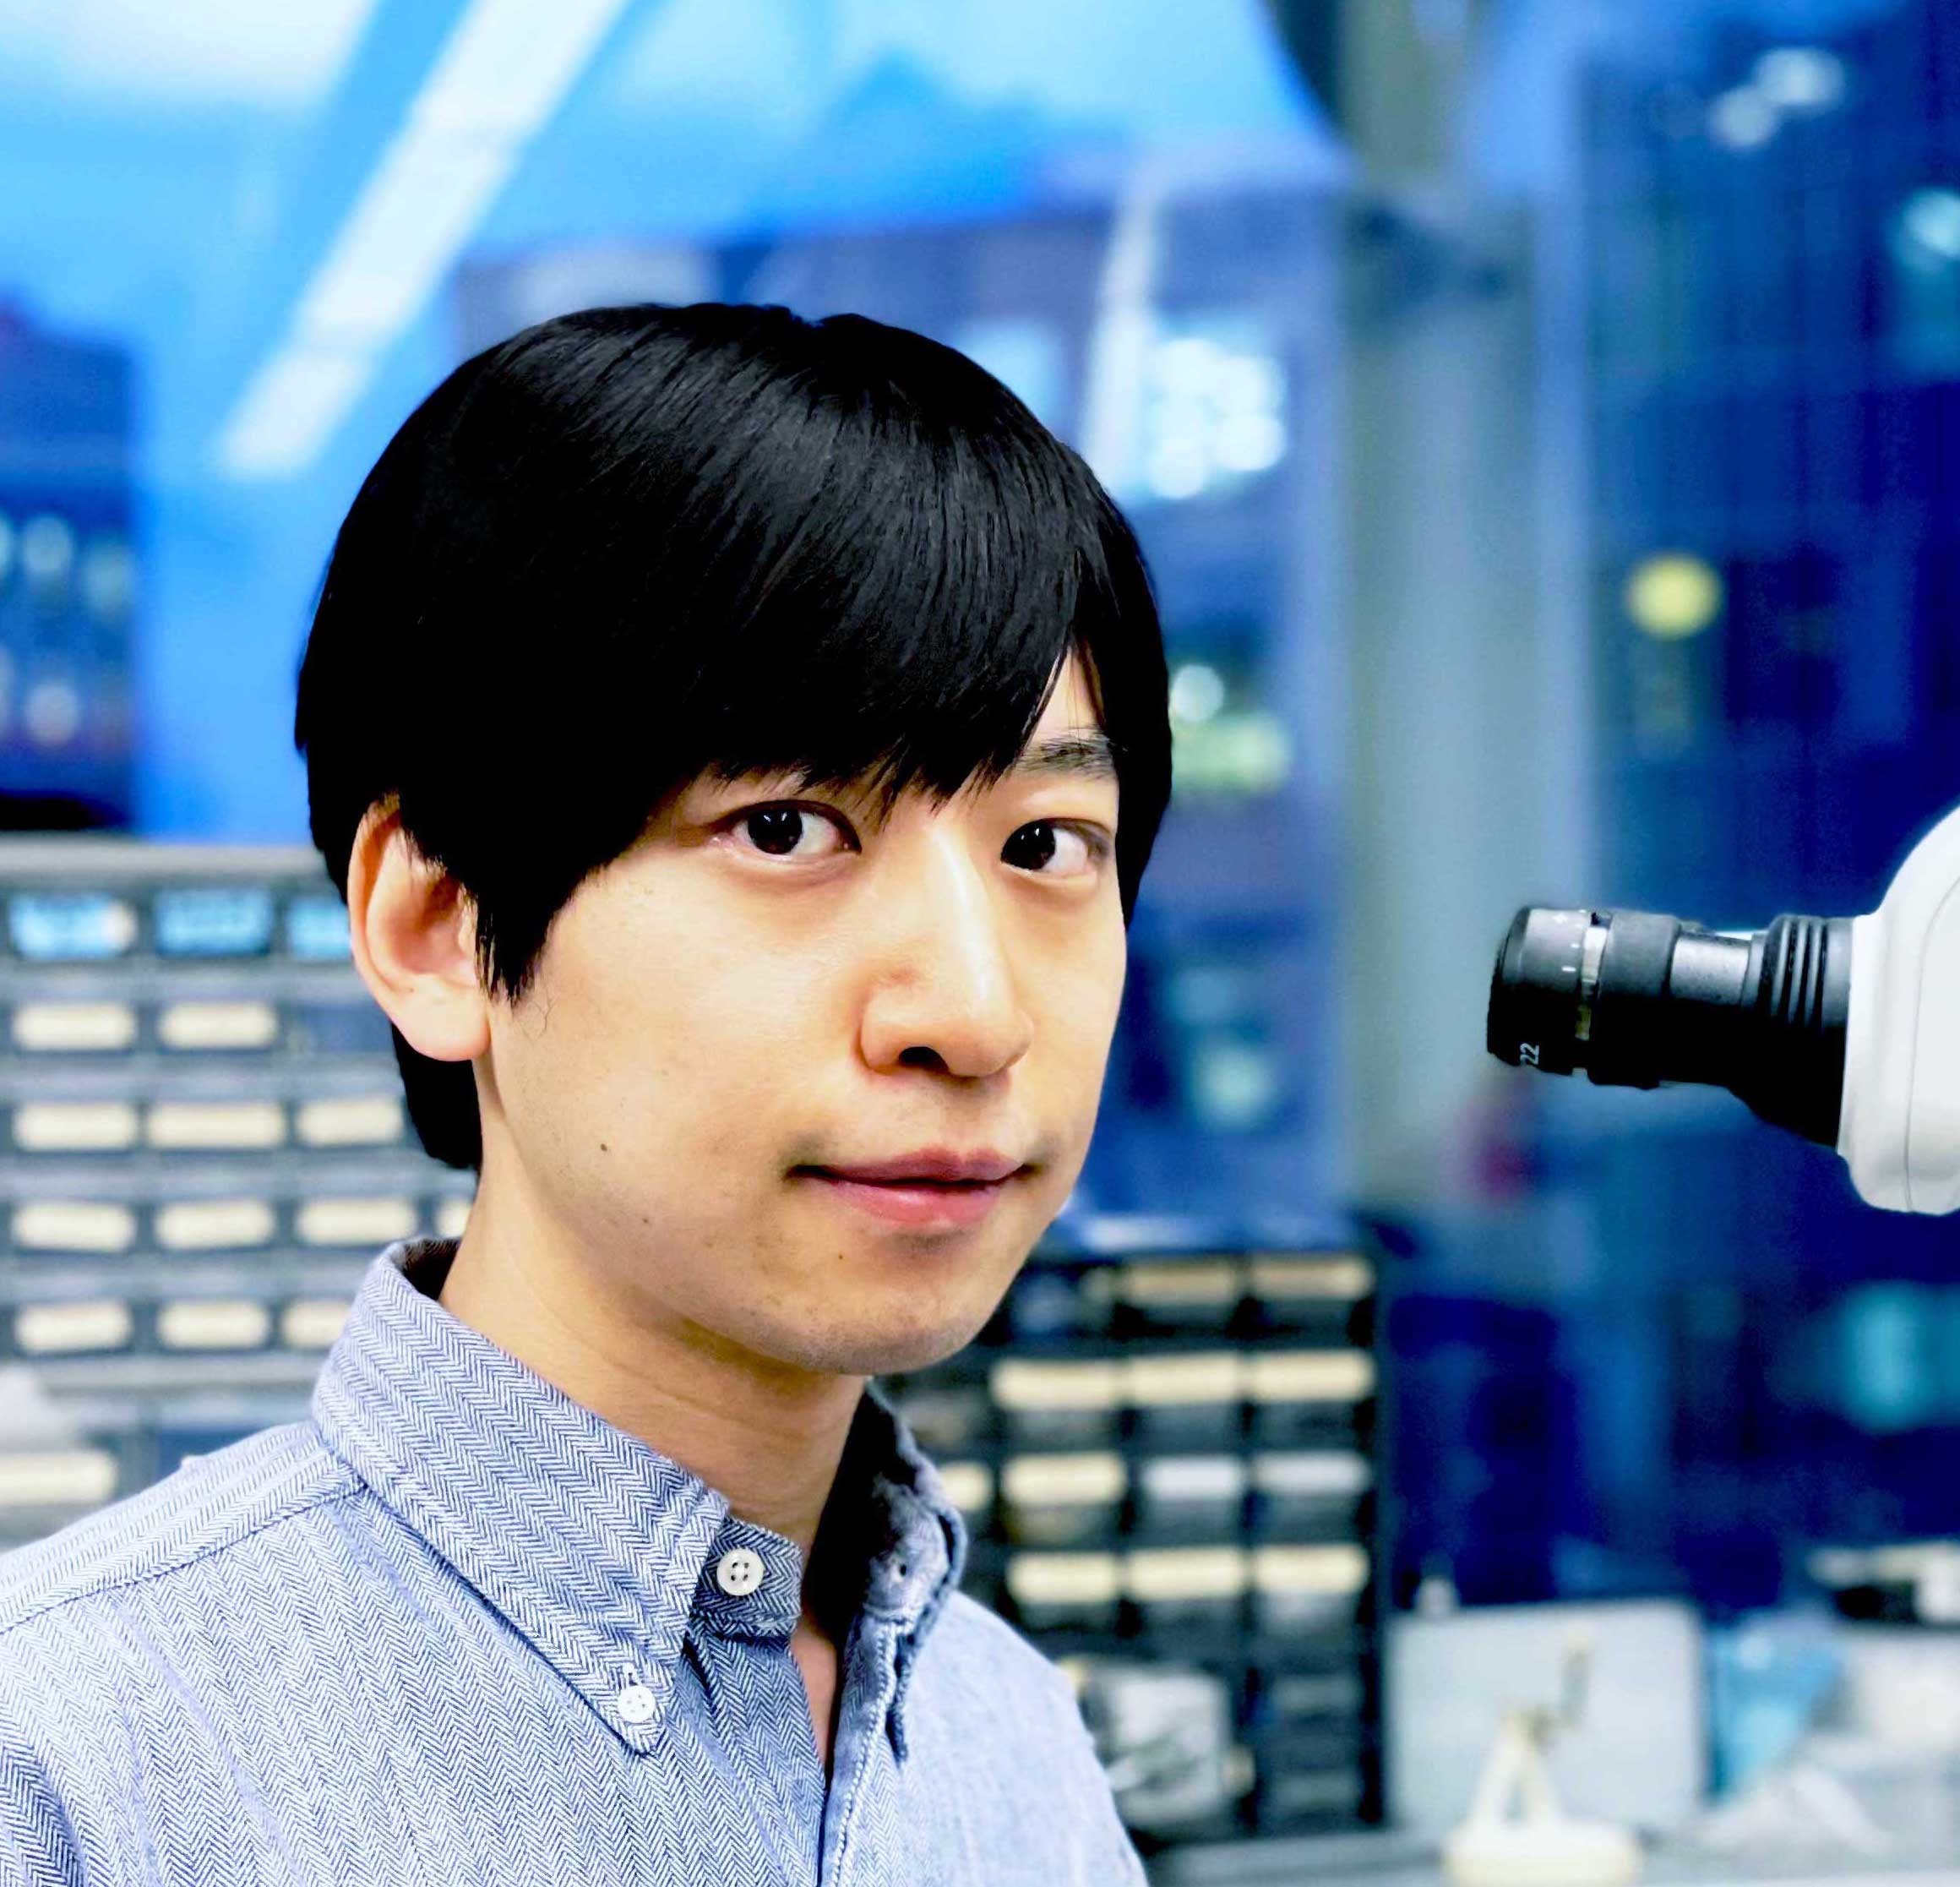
<point>1086,755</point>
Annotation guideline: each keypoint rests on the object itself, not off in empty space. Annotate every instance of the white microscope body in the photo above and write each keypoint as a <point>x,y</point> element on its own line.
<point>1900,1129</point>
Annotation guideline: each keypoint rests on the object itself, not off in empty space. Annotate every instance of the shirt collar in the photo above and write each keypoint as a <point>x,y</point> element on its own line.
<point>600,1551</point>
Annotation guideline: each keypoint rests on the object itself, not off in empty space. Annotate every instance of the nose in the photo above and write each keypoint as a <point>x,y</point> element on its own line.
<point>944,994</point>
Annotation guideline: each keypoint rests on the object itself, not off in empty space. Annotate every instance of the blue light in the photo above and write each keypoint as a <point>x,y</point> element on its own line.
<point>69,926</point>
<point>220,921</point>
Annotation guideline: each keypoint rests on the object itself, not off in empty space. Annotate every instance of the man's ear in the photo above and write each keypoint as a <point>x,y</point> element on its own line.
<point>414,935</point>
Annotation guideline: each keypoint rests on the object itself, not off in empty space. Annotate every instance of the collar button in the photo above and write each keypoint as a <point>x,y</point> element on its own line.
<point>634,1704</point>
<point>739,1571</point>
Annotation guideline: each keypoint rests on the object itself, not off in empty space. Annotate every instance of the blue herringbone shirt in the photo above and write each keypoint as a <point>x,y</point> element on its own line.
<point>455,1629</point>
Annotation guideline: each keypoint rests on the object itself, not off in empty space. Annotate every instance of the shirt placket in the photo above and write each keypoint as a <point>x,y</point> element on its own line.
<point>761,1708</point>
<point>858,1834</point>
<point>860,1756</point>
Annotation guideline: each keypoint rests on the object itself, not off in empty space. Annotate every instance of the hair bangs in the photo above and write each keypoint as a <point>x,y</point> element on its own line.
<point>901,625</point>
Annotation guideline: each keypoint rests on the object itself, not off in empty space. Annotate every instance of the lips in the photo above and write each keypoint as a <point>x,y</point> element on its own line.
<point>916,1205</point>
<point>930,1166</point>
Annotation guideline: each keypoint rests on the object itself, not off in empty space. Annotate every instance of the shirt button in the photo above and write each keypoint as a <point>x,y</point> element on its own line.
<point>738,1573</point>
<point>636,1703</point>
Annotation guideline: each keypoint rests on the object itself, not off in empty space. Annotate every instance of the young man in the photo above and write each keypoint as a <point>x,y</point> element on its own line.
<point>719,725</point>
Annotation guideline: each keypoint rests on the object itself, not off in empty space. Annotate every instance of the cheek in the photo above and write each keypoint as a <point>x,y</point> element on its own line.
<point>1085,995</point>
<point>1088,985</point>
<point>650,1041</point>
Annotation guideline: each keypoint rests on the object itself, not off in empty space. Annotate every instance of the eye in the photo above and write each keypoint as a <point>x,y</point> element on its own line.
<point>1082,848</point>
<point>779,831</point>
<point>1046,847</point>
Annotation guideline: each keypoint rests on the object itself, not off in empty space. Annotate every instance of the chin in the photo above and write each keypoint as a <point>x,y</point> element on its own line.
<point>875,1348</point>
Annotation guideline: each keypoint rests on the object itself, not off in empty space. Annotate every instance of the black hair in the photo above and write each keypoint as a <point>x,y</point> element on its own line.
<point>632,546</point>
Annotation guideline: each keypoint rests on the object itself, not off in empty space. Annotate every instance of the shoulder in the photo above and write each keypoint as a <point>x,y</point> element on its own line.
<point>1004,1716</point>
<point>193,1518</point>
<point>975,1637</point>
<point>124,1605</point>
<point>977,1665</point>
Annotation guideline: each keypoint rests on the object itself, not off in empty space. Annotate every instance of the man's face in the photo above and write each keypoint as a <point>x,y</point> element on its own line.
<point>770,984</point>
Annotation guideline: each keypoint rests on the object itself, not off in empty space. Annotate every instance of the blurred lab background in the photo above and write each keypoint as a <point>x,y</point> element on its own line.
<point>1543,417</point>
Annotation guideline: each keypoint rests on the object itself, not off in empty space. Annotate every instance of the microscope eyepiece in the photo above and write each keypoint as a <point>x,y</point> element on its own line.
<point>1636,999</point>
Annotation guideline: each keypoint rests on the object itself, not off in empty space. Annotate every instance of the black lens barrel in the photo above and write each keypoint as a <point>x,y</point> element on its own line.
<point>1636,999</point>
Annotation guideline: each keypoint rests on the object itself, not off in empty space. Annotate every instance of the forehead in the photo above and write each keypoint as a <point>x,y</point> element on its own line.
<point>1069,708</point>
<point>1067,738</point>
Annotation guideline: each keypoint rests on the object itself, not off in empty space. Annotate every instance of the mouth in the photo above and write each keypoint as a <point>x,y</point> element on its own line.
<point>916,1202</point>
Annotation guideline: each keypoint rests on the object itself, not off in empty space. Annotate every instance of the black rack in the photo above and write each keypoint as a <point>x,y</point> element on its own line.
<point>1267,1581</point>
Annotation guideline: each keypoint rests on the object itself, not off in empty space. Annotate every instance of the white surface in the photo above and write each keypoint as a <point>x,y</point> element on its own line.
<point>1902,1686</point>
<point>1638,1757</point>
<point>1383,1859</point>
<point>1552,1853</point>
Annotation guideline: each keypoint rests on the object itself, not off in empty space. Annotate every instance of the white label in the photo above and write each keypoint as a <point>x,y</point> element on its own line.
<point>1194,1477</point>
<point>1329,1473</point>
<point>1336,1571</point>
<point>312,1322</point>
<point>1212,1376</point>
<point>73,1126</point>
<point>64,1477</point>
<point>213,1324</point>
<point>248,1124</point>
<point>68,1027</point>
<point>1186,1573</point>
<point>1065,1578</point>
<point>356,1221</point>
<point>56,1329</point>
<point>218,1025</point>
<point>357,1121</point>
<point>1310,1376</point>
<point>1021,1384</point>
<point>1213,1281</point>
<point>1338,1279</point>
<point>73,1225</point>
<point>969,1484</point>
<point>215,1225</point>
<point>1063,1480</point>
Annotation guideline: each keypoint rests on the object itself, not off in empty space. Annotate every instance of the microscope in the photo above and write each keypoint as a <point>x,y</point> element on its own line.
<point>1844,1030</point>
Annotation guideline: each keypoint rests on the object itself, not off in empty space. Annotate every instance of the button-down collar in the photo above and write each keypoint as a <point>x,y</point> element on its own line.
<point>600,1551</point>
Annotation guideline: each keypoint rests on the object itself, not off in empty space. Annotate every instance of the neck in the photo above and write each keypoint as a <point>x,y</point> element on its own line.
<point>765,1436</point>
